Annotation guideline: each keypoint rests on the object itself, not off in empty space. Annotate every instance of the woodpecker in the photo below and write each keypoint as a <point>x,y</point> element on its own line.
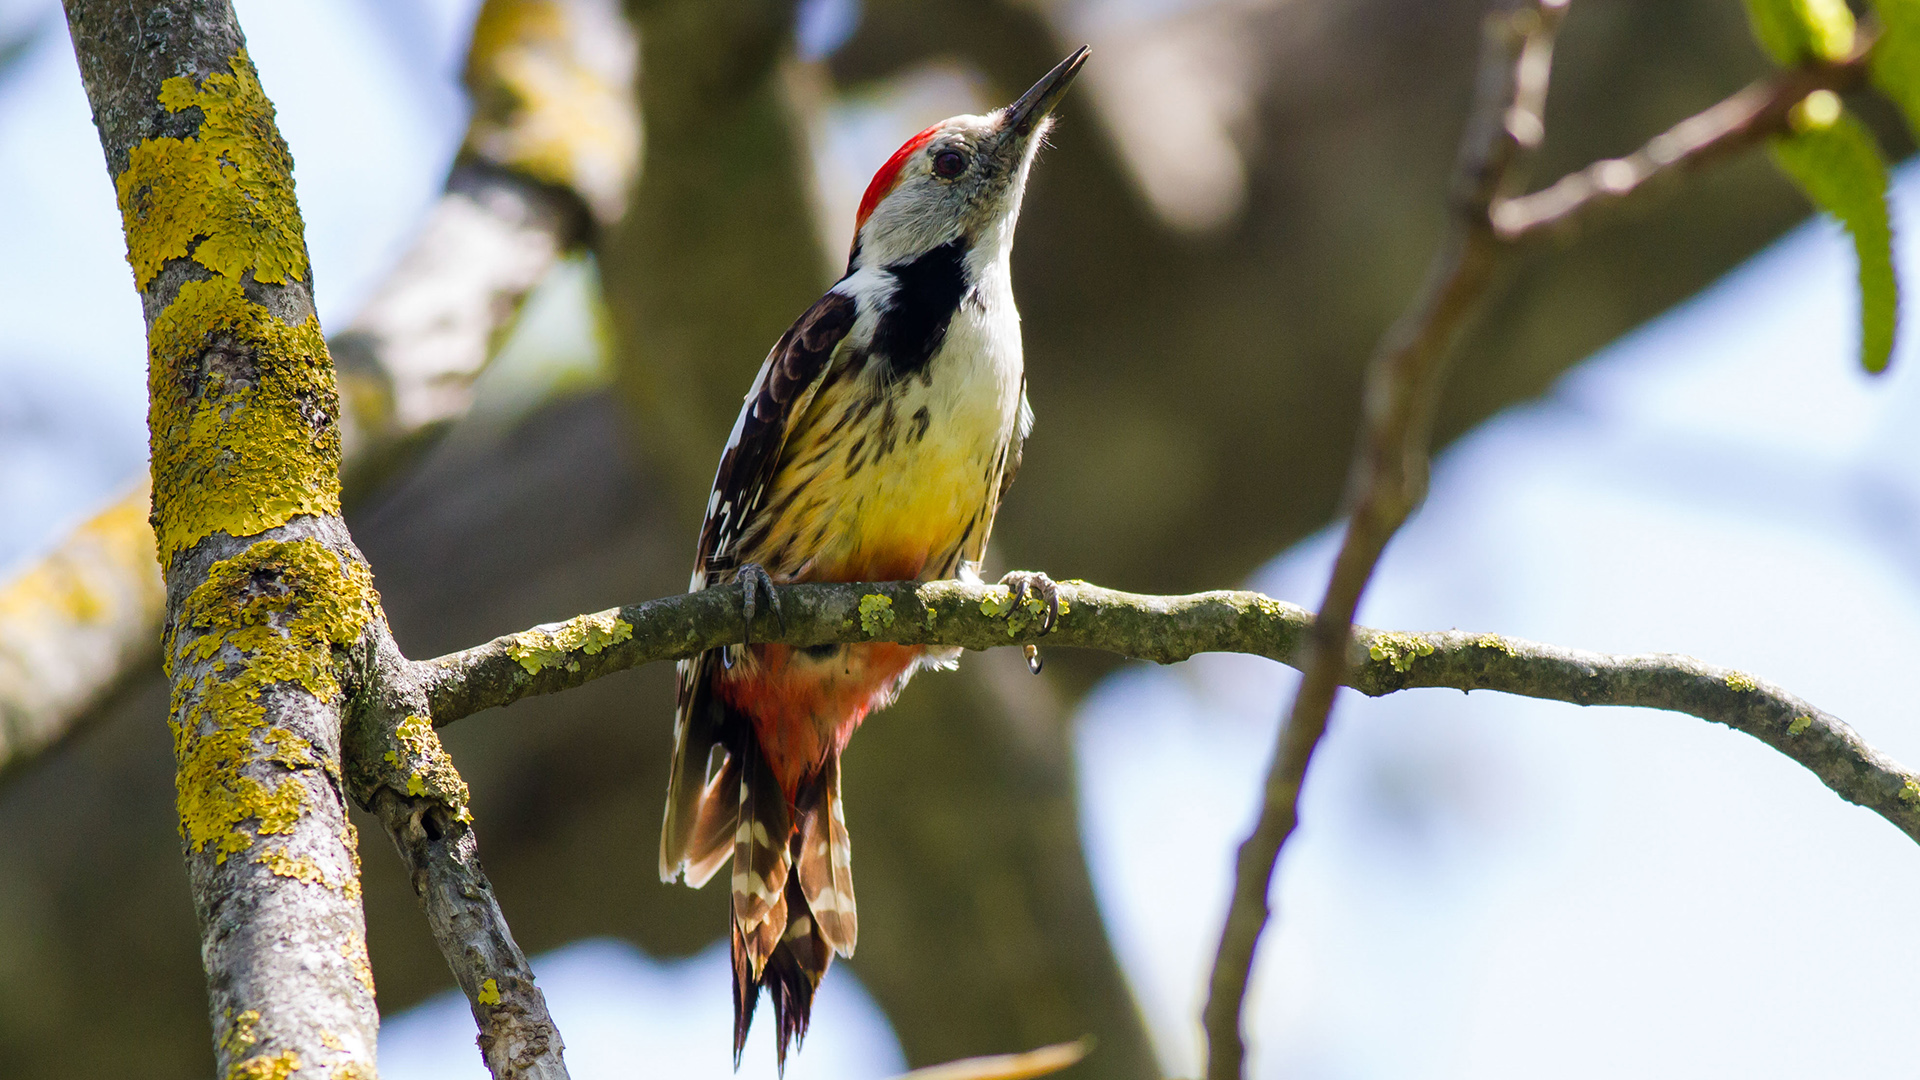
<point>875,445</point>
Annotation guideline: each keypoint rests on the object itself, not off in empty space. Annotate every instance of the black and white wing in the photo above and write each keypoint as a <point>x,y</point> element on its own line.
<point>702,792</point>
<point>779,396</point>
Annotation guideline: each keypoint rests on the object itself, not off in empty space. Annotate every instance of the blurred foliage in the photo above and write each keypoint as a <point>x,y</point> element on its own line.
<point>1802,31</point>
<point>1896,56</point>
<point>1196,392</point>
<point>1833,158</point>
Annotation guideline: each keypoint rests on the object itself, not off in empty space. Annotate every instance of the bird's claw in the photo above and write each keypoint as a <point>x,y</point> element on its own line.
<point>755,581</point>
<point>1024,583</point>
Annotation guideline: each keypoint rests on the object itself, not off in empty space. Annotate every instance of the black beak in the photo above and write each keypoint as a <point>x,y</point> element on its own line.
<point>1035,104</point>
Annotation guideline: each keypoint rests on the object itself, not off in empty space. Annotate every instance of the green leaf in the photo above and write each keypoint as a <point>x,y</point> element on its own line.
<point>1834,159</point>
<point>1796,32</point>
<point>1895,66</point>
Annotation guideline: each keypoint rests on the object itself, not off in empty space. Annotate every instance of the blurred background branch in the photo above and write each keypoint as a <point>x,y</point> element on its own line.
<point>550,150</point>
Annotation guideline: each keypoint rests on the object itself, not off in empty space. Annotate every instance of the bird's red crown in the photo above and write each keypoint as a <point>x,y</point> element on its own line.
<point>889,175</point>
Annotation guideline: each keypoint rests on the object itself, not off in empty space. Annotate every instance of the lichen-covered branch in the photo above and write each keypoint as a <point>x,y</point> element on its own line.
<point>274,634</point>
<point>1167,629</point>
<point>397,768</point>
<point>264,592</point>
<point>549,154</point>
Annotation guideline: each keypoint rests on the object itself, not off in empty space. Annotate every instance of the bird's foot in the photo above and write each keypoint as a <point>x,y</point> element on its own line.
<point>1025,583</point>
<point>755,582</point>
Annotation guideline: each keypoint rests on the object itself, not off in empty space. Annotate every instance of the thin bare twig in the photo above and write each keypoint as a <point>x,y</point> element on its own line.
<point>1389,474</point>
<point>1735,124</point>
<point>1390,468</point>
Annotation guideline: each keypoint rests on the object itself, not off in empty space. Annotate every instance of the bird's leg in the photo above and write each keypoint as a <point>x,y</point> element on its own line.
<point>1023,583</point>
<point>754,580</point>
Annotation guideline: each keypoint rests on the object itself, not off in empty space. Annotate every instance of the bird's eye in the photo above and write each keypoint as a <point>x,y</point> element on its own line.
<point>948,164</point>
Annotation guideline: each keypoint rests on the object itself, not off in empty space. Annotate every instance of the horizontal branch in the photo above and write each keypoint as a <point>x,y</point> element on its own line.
<point>1166,629</point>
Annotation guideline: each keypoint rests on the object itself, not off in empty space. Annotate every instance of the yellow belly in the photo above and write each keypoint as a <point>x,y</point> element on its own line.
<point>886,486</point>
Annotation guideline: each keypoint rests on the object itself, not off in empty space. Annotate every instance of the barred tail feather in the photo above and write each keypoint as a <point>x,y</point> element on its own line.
<point>697,834</point>
<point>824,860</point>
<point>761,856</point>
<point>791,973</point>
<point>814,914</point>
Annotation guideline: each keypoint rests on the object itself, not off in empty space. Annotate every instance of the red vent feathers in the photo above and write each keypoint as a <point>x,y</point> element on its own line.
<point>889,175</point>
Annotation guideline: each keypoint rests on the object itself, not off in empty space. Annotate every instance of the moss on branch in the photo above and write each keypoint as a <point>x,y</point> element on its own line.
<point>1167,629</point>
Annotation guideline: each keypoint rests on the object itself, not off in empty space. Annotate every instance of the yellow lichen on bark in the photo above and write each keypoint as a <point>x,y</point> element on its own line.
<point>430,770</point>
<point>241,417</point>
<point>548,646</point>
<point>279,1066</point>
<point>71,617</point>
<point>225,196</point>
<point>243,408</point>
<point>79,583</point>
<point>353,949</point>
<point>304,868</point>
<point>240,1036</point>
<point>271,615</point>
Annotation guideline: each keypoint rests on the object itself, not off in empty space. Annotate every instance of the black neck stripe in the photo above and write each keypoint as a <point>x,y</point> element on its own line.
<point>914,321</point>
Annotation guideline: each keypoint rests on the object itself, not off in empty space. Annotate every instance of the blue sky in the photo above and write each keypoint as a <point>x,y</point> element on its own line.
<point>1482,886</point>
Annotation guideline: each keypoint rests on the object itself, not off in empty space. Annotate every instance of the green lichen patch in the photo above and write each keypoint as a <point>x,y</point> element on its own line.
<point>1910,793</point>
<point>429,768</point>
<point>241,415</point>
<point>876,613</point>
<point>1399,650</point>
<point>1027,613</point>
<point>1742,683</point>
<point>1269,608</point>
<point>269,616</point>
<point>552,646</point>
<point>1800,724</point>
<point>278,1066</point>
<point>225,196</point>
<point>997,602</point>
<point>1494,642</point>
